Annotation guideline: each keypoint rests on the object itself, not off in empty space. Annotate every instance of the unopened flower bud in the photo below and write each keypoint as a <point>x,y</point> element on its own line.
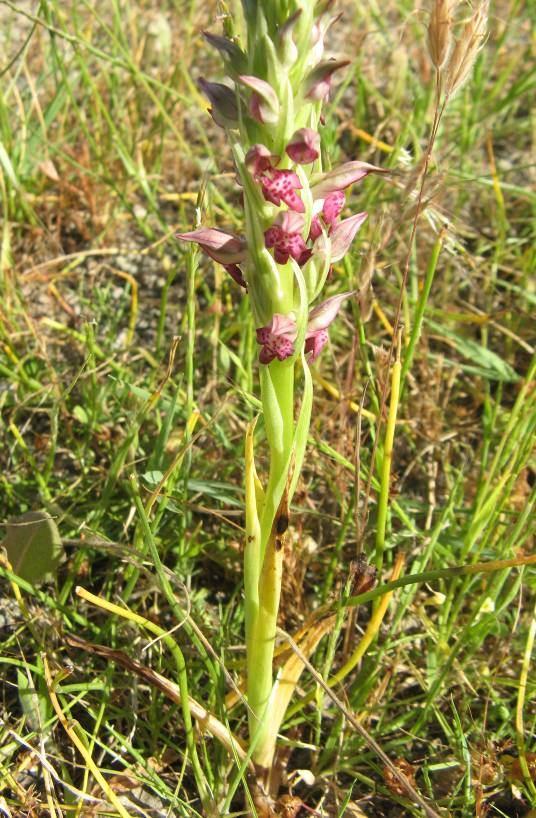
<point>318,81</point>
<point>304,147</point>
<point>264,105</point>
<point>224,109</point>
<point>286,47</point>
<point>318,34</point>
<point>233,56</point>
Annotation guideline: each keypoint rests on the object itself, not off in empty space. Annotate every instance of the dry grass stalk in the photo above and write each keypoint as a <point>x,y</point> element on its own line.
<point>466,49</point>
<point>439,31</point>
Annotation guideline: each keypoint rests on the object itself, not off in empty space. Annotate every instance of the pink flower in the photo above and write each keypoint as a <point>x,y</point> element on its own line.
<point>259,159</point>
<point>281,186</point>
<point>315,343</point>
<point>342,177</point>
<point>315,230</point>
<point>277,338</point>
<point>304,147</point>
<point>223,247</point>
<point>219,245</point>
<point>342,235</point>
<point>320,318</point>
<point>277,185</point>
<point>329,201</point>
<point>318,81</point>
<point>286,238</point>
<point>325,313</point>
<point>264,103</point>
<point>333,206</point>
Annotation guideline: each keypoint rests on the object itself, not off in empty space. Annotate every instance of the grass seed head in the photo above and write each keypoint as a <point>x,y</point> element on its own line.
<point>466,49</point>
<point>439,31</point>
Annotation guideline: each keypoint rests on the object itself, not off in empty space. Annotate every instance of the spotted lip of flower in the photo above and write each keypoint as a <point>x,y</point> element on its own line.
<point>315,343</point>
<point>281,186</point>
<point>277,185</point>
<point>333,206</point>
<point>277,338</point>
<point>330,208</point>
<point>286,238</point>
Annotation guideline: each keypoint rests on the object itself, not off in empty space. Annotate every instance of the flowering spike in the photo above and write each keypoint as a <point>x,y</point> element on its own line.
<point>318,81</point>
<point>219,245</point>
<point>304,147</point>
<point>259,159</point>
<point>281,186</point>
<point>224,109</point>
<point>293,232</point>
<point>342,177</point>
<point>439,31</point>
<point>264,105</point>
<point>277,338</point>
<point>342,235</point>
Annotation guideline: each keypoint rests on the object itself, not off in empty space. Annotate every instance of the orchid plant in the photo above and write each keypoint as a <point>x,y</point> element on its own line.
<point>293,232</point>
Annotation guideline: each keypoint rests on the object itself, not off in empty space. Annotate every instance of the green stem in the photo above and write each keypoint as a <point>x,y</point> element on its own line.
<point>383,502</point>
<point>277,387</point>
<point>440,573</point>
<point>521,693</point>
<point>172,645</point>
<point>421,307</point>
<point>277,392</point>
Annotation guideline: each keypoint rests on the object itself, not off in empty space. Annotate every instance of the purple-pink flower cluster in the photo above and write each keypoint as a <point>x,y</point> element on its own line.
<point>293,234</point>
<point>277,338</point>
